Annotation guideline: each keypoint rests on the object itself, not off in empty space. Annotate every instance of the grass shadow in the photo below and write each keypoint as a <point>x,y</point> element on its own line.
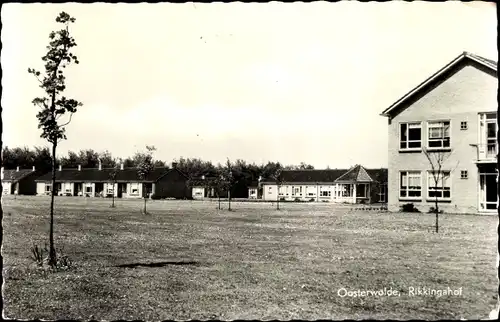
<point>159,264</point>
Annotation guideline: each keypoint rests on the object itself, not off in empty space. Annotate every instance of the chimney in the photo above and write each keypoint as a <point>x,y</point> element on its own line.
<point>33,168</point>
<point>17,169</point>
<point>121,166</point>
<point>174,165</point>
<point>79,167</point>
<point>60,167</point>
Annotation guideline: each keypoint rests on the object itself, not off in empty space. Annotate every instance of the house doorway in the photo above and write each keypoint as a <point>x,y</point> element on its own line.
<point>122,187</point>
<point>488,188</point>
<point>78,190</point>
<point>99,189</point>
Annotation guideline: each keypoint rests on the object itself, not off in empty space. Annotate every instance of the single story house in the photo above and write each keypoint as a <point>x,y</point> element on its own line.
<point>19,181</point>
<point>161,183</point>
<point>355,185</point>
<point>253,190</point>
<point>202,187</point>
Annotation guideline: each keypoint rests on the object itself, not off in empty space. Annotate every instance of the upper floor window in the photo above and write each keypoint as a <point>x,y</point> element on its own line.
<point>439,134</point>
<point>463,125</point>
<point>410,136</point>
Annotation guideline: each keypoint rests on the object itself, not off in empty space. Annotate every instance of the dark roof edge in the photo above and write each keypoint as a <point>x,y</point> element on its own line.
<point>481,60</point>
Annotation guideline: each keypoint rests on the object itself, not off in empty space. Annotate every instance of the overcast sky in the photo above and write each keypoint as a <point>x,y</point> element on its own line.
<point>284,82</point>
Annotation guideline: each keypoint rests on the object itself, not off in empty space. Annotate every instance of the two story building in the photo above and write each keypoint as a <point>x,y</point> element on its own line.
<point>443,140</point>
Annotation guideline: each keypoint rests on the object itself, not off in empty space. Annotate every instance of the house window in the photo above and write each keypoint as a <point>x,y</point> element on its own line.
<point>463,125</point>
<point>440,189</point>
<point>88,189</point>
<point>110,189</point>
<point>410,184</point>
<point>410,136</point>
<point>382,193</point>
<point>48,188</point>
<point>325,193</point>
<point>346,190</point>
<point>464,174</point>
<point>439,134</point>
<point>134,188</point>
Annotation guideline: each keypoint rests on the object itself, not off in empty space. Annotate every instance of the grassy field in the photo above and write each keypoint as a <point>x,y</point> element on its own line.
<point>187,260</point>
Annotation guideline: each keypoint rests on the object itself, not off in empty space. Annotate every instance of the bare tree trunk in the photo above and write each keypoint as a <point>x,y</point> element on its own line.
<point>113,200</point>
<point>52,250</point>
<point>145,197</point>
<point>437,214</point>
<point>278,199</point>
<point>218,195</point>
<point>229,199</point>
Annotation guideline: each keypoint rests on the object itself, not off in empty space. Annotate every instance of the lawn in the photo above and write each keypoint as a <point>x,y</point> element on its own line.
<point>187,260</point>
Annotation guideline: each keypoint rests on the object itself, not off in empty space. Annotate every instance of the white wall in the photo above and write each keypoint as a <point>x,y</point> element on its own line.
<point>310,191</point>
<point>40,188</point>
<point>136,186</point>
<point>6,188</point>
<point>198,192</point>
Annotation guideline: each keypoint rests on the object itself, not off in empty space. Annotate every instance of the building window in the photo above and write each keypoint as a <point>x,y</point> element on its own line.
<point>88,189</point>
<point>440,189</point>
<point>463,125</point>
<point>325,193</point>
<point>346,190</point>
<point>48,188</point>
<point>134,188</point>
<point>410,136</point>
<point>464,174</point>
<point>439,134</point>
<point>410,184</point>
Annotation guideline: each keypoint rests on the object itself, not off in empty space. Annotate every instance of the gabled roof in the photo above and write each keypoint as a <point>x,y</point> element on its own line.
<point>14,175</point>
<point>104,175</point>
<point>356,174</point>
<point>488,63</point>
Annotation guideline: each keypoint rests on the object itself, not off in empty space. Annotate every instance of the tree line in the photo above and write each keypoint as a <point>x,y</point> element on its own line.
<point>242,172</point>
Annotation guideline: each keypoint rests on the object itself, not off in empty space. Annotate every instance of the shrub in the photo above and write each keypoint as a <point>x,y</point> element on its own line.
<point>312,199</point>
<point>63,261</point>
<point>37,254</point>
<point>155,197</point>
<point>282,198</point>
<point>297,200</point>
<point>409,207</point>
<point>432,210</point>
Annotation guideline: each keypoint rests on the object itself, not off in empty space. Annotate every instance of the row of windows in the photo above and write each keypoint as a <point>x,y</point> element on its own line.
<point>438,135</point>
<point>438,184</point>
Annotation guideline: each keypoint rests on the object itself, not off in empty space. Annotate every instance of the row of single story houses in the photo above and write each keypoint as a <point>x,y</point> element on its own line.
<point>98,182</point>
<point>355,185</point>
